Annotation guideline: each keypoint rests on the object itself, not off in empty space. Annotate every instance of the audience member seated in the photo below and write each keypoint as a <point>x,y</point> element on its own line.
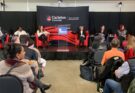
<point>16,53</point>
<point>81,35</point>
<point>17,34</point>
<point>41,61</point>
<point>98,42</point>
<point>122,81</point>
<point>113,52</point>
<point>110,36</point>
<point>91,39</point>
<point>42,35</point>
<point>131,88</point>
<point>129,52</point>
<point>31,57</point>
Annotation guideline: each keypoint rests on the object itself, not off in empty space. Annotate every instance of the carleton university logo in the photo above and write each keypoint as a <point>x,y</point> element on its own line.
<point>55,18</point>
<point>49,18</point>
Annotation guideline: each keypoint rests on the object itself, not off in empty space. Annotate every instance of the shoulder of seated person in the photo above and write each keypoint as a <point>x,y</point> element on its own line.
<point>26,61</point>
<point>2,61</point>
<point>22,63</point>
<point>32,62</point>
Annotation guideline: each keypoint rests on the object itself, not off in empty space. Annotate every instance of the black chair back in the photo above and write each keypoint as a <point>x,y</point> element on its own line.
<point>98,54</point>
<point>131,62</point>
<point>10,84</point>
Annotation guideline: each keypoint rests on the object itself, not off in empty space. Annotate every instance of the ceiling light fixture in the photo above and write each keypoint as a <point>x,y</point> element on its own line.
<point>120,4</point>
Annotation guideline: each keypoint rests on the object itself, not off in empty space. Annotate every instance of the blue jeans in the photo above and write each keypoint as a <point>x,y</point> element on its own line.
<point>112,86</point>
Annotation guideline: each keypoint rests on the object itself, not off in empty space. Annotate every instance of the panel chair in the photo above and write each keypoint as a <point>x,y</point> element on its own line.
<point>38,42</point>
<point>85,41</point>
<point>10,84</point>
<point>131,62</point>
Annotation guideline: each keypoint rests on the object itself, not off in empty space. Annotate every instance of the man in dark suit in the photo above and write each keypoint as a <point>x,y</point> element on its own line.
<point>81,35</point>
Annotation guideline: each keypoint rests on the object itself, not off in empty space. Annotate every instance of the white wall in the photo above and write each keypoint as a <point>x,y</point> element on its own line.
<point>94,6</point>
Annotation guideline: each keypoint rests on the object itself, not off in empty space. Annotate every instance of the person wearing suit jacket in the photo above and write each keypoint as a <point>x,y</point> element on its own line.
<point>81,35</point>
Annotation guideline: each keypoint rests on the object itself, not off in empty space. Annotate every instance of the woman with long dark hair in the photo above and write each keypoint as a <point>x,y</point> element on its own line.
<point>42,34</point>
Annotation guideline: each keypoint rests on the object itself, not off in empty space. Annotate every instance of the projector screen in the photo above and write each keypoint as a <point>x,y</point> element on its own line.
<point>62,30</point>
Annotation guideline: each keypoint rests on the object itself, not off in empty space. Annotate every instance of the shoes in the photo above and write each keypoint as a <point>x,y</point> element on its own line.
<point>85,64</point>
<point>45,87</point>
<point>100,90</point>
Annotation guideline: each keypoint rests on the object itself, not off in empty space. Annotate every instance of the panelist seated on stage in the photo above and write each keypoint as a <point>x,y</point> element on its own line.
<point>122,33</point>
<point>63,33</point>
<point>81,35</point>
<point>42,34</point>
<point>17,34</point>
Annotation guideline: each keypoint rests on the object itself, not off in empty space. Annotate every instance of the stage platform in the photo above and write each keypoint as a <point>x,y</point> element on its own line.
<point>64,53</point>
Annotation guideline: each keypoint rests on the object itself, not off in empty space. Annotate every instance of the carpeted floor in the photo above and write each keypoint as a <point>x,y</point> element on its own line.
<point>64,77</point>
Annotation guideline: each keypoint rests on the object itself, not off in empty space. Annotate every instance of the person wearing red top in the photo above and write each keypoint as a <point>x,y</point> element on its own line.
<point>130,52</point>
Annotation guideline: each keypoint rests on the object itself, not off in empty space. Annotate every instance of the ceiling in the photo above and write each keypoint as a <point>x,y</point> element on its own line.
<point>57,0</point>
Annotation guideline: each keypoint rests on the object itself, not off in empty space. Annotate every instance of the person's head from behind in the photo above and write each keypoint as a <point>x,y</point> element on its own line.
<point>131,42</point>
<point>31,43</point>
<point>115,43</point>
<point>24,40</point>
<point>15,51</point>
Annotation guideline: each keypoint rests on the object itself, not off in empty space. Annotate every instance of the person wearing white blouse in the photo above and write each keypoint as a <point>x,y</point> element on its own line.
<point>42,34</point>
<point>17,34</point>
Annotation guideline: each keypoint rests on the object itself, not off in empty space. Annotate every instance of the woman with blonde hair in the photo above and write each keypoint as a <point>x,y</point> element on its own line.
<point>130,52</point>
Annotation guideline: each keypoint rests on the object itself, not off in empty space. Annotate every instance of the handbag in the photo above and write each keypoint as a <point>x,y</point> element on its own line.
<point>86,72</point>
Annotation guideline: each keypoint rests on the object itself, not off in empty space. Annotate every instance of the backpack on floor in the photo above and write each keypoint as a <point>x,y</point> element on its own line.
<point>86,72</point>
